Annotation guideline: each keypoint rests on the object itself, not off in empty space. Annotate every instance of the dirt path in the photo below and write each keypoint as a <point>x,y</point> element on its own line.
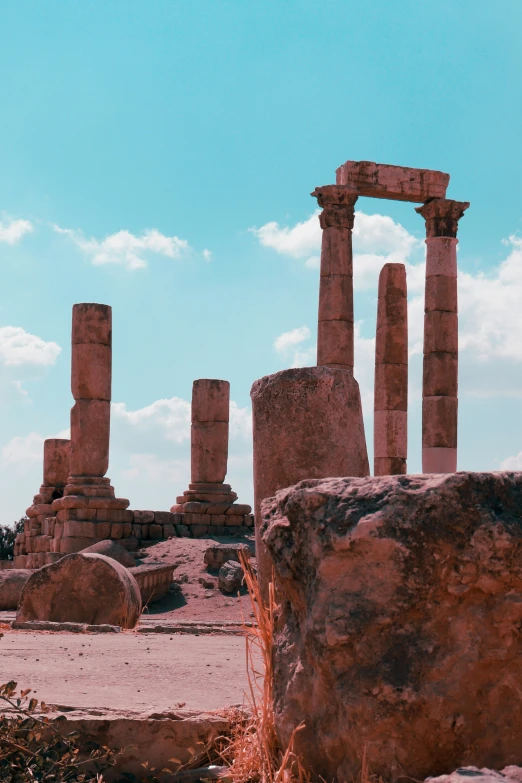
<point>127,671</point>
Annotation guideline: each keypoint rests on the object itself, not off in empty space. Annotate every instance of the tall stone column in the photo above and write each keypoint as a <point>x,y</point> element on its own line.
<point>390,434</point>
<point>335,338</point>
<point>208,505</point>
<point>307,424</point>
<point>440,367</point>
<point>88,511</point>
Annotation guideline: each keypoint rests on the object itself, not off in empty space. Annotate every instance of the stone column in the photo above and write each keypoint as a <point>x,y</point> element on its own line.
<point>335,338</point>
<point>390,434</point>
<point>307,424</point>
<point>440,368</point>
<point>88,511</point>
<point>91,388</point>
<point>208,505</point>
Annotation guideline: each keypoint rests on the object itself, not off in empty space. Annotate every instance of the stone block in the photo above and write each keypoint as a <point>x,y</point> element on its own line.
<point>335,343</point>
<point>52,557</point>
<point>55,545</point>
<point>218,554</point>
<point>91,372</point>
<point>57,458</point>
<point>220,530</point>
<point>218,508</point>
<point>441,332</point>
<point>145,532</point>
<point>197,507</point>
<point>163,518</point>
<point>336,298</point>
<point>127,529</point>
<point>58,529</point>
<point>169,531</point>
<point>231,576</point>
<point>209,451</point>
<point>391,345</point>
<point>210,400</point>
<point>441,293</point>
<point>217,519</point>
<point>90,427</point>
<point>76,544</point>
<point>391,387</point>
<point>389,466</point>
<point>439,422</point>
<point>117,530</point>
<point>156,531</point>
<point>143,517</point>
<point>42,543</point>
<point>114,551</point>
<point>249,520</point>
<point>136,530</point>
<point>103,530</point>
<point>182,530</point>
<point>192,519</point>
<point>131,544</point>
<point>238,508</point>
<point>390,434</point>
<point>77,529</point>
<point>199,531</point>
<point>232,520</point>
<point>178,507</point>
<point>440,375</point>
<point>92,323</point>
<point>399,183</point>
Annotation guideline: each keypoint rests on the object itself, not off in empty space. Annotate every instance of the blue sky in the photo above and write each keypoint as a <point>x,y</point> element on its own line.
<point>159,157</point>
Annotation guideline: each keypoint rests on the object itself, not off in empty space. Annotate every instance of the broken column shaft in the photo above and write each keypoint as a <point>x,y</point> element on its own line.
<point>440,367</point>
<point>335,338</point>
<point>390,435</point>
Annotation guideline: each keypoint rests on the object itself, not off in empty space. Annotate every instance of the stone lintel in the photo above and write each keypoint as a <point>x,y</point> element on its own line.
<point>398,183</point>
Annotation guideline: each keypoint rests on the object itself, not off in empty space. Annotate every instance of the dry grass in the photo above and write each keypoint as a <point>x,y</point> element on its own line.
<point>253,752</point>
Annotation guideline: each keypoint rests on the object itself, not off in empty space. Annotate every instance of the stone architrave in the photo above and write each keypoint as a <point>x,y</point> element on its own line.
<point>440,367</point>
<point>207,493</point>
<point>398,183</point>
<point>390,434</point>
<point>307,423</point>
<point>88,510</point>
<point>335,337</point>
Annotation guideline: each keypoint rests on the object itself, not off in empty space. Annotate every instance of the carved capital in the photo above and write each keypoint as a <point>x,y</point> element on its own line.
<point>442,216</point>
<point>338,203</point>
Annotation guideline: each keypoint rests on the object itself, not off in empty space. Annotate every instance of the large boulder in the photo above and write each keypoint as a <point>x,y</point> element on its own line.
<point>230,578</point>
<point>82,588</point>
<point>11,583</point>
<point>217,554</point>
<point>113,550</point>
<point>400,629</point>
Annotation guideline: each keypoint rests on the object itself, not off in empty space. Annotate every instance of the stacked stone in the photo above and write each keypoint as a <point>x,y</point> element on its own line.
<point>33,546</point>
<point>208,506</point>
<point>335,336</point>
<point>390,434</point>
<point>440,368</point>
<point>89,511</point>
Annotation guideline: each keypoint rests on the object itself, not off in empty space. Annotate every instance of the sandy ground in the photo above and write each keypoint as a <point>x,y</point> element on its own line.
<point>194,601</point>
<point>127,671</point>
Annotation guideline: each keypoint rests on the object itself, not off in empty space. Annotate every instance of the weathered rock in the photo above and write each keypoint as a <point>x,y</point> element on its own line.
<point>113,550</point>
<point>11,584</point>
<point>217,554</point>
<point>400,622</point>
<point>509,774</point>
<point>230,577</point>
<point>82,588</point>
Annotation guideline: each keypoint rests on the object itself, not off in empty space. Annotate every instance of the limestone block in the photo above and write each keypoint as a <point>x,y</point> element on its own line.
<point>145,531</point>
<point>391,433</point>
<point>68,545</point>
<point>238,508</point>
<point>441,293</point>
<point>249,520</point>
<point>75,529</point>
<point>183,531</point>
<point>399,183</point>
<point>441,332</point>
<point>440,375</point>
<point>391,345</point>
<point>234,520</point>
<point>439,422</point>
<point>217,519</point>
<point>197,507</point>
<point>336,298</point>
<point>12,581</point>
<point>217,554</point>
<point>42,543</point>
<point>155,532</point>
<point>113,550</point>
<point>209,451</point>
<point>58,529</point>
<point>57,457</point>
<point>91,323</point>
<point>163,517</point>
<point>127,529</point>
<point>307,423</point>
<point>335,343</point>
<point>217,508</point>
<point>199,531</point>
<point>400,608</point>
<point>82,588</point>
<point>103,529</point>
<point>391,387</point>
<point>117,530</point>
<point>90,426</point>
<point>210,400</point>
<point>143,517</point>
<point>91,372</point>
<point>169,531</point>
<point>230,579</point>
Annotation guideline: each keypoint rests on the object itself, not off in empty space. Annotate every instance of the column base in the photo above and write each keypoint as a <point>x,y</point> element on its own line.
<point>208,493</point>
<point>439,460</point>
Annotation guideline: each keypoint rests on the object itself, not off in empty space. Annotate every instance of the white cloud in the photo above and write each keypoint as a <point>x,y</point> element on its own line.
<point>11,231</point>
<point>18,347</point>
<point>289,340</point>
<point>512,463</point>
<point>207,254</point>
<point>21,450</point>
<point>168,419</point>
<point>290,346</point>
<point>299,241</point>
<point>126,248</point>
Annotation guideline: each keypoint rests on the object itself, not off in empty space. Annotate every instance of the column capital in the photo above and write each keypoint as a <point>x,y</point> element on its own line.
<point>442,216</point>
<point>338,203</point>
